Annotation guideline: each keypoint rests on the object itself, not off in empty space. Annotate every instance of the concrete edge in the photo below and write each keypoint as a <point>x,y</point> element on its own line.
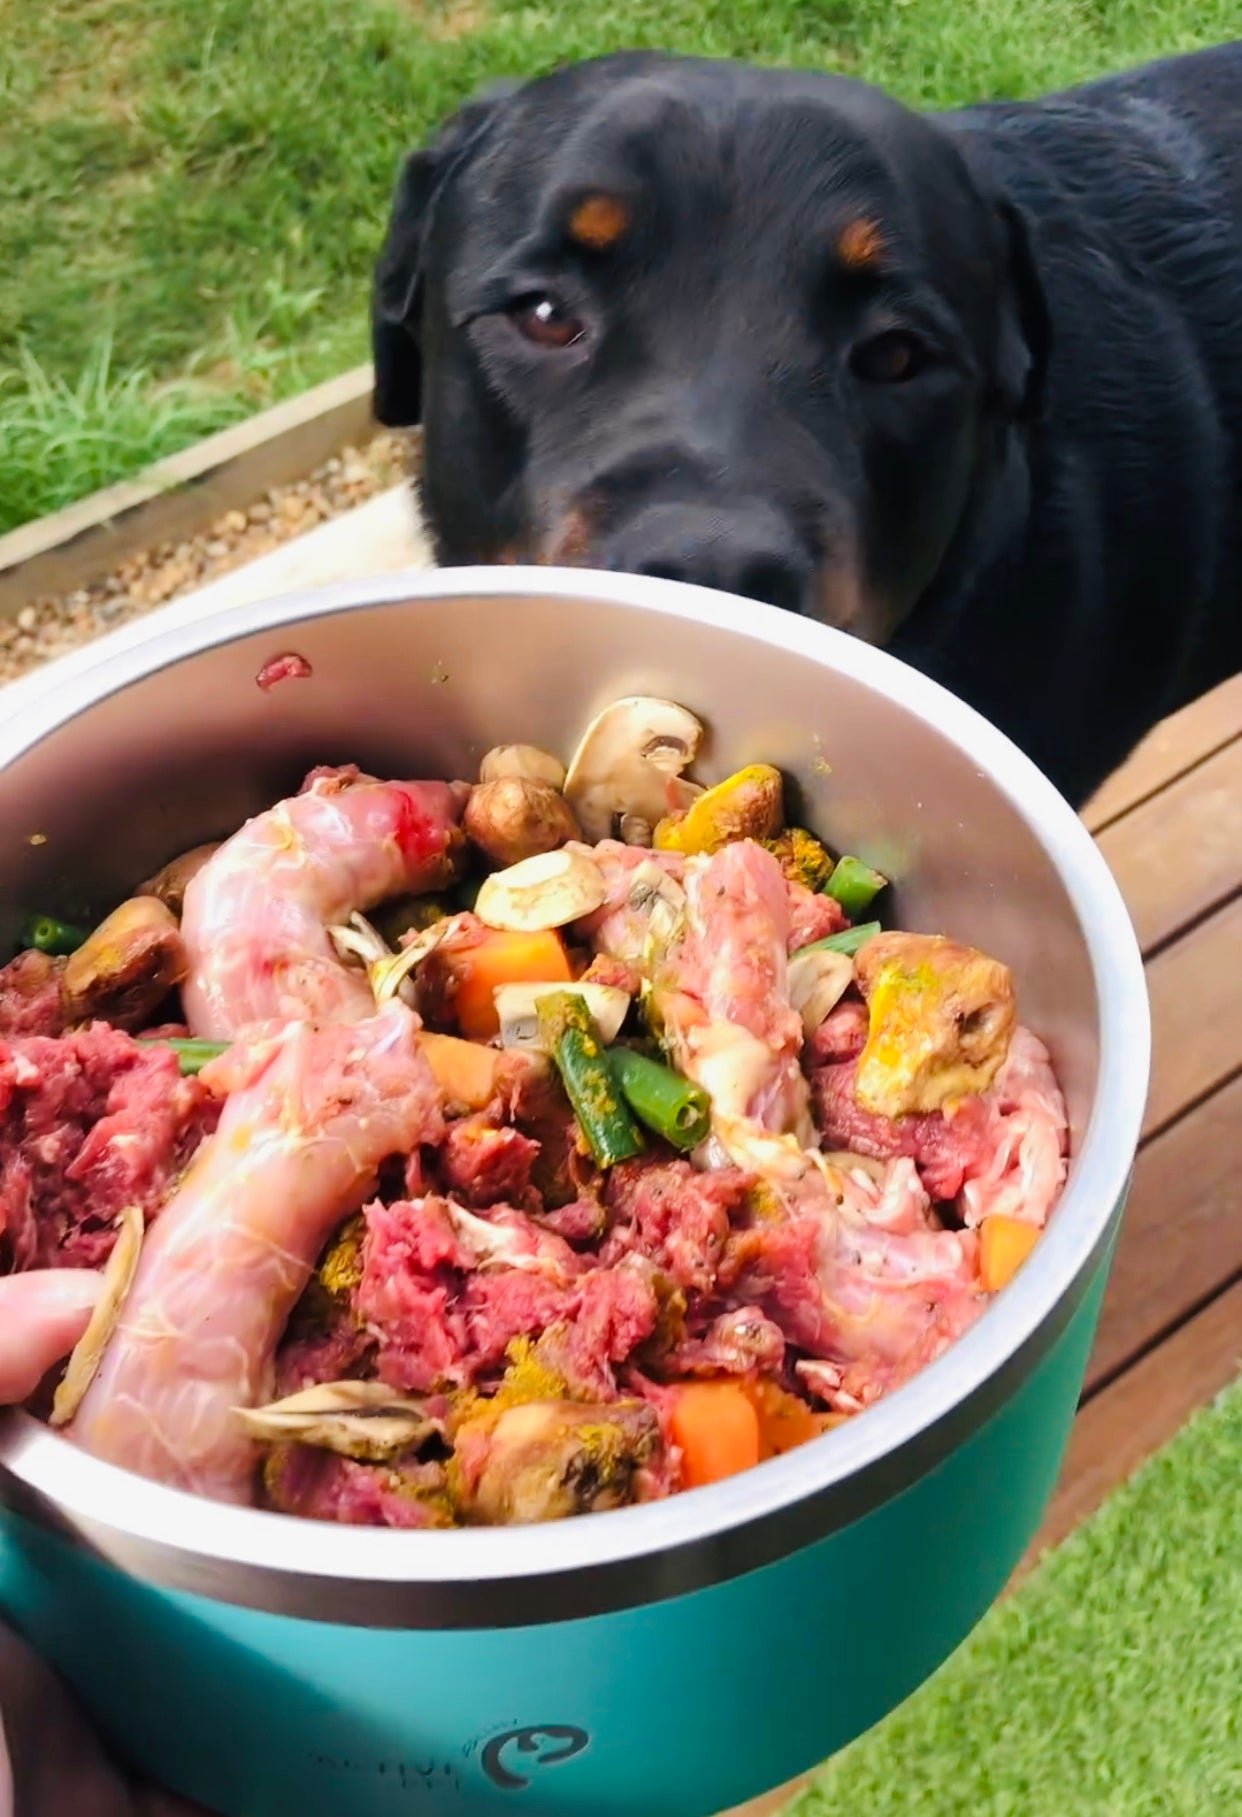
<point>181,497</point>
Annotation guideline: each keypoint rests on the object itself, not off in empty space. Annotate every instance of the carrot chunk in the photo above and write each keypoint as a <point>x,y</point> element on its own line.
<point>717,1429</point>
<point>1004,1244</point>
<point>784,1421</point>
<point>502,958</point>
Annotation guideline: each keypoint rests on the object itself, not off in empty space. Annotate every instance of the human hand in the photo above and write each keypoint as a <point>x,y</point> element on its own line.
<point>51,1764</point>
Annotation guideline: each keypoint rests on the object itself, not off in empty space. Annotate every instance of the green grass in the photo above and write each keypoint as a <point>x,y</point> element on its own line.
<point>194,190</point>
<point>1107,1687</point>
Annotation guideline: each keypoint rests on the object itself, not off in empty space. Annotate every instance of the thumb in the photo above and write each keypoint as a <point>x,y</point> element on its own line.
<point>42,1316</point>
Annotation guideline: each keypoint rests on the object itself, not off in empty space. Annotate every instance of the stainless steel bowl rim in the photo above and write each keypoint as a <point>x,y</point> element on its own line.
<point>98,1495</point>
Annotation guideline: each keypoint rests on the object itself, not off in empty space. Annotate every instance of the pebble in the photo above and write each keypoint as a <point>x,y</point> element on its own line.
<point>51,626</point>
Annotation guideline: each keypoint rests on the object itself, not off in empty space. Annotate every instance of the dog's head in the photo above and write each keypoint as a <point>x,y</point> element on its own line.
<point>757,329</point>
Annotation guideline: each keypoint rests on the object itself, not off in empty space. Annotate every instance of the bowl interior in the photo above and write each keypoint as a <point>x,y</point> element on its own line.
<point>423,687</point>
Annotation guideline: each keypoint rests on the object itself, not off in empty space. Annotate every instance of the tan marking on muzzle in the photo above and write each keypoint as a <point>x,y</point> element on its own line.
<point>841,598</point>
<point>569,545</point>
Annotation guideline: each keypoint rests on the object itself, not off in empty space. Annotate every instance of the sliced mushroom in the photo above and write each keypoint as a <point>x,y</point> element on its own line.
<point>126,968</point>
<point>629,765</point>
<point>511,819</point>
<point>526,762</point>
<point>818,979</point>
<point>170,881</point>
<point>660,897</point>
<point>519,1021</point>
<point>363,1420</point>
<point>549,890</point>
<point>88,1351</point>
<point>388,973</point>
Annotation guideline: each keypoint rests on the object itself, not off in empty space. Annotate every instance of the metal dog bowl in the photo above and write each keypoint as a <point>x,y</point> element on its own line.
<point>675,1658</point>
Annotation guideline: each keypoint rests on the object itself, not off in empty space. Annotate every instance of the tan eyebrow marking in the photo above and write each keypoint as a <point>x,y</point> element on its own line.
<point>599,222</point>
<point>861,244</point>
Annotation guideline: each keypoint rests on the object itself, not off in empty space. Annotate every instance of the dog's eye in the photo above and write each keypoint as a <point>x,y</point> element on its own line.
<point>543,322</point>
<point>889,359</point>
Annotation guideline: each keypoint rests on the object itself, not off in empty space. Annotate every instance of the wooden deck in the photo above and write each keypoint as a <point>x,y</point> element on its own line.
<point>1170,1336</point>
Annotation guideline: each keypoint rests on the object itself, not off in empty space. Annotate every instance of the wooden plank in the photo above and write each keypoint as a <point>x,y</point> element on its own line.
<point>1196,1006</point>
<point>1123,1426</point>
<point>1179,855</point>
<point>1182,1237</point>
<point>1175,746</point>
<point>178,498</point>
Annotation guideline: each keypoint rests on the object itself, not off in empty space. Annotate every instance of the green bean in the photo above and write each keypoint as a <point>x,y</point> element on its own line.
<point>567,1031</point>
<point>193,1055</point>
<point>849,940</point>
<point>58,938</point>
<point>854,885</point>
<point>670,1105</point>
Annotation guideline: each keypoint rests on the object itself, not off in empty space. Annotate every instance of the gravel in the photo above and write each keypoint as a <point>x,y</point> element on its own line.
<point>52,626</point>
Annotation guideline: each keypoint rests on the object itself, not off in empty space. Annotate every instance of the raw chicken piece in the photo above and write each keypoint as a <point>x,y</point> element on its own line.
<point>256,915</point>
<point>1025,1168</point>
<point>310,1116</point>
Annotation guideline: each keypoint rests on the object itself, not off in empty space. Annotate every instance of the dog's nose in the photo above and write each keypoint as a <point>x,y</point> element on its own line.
<point>746,550</point>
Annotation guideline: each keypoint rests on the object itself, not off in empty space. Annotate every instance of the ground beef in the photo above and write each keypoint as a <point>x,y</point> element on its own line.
<point>842,1035</point>
<point>812,916</point>
<point>89,1123</point>
<point>318,1485</point>
<point>945,1149</point>
<point>776,1267</point>
<point>677,1218</point>
<point>501,1306</point>
<point>322,1345</point>
<point>581,1221</point>
<point>484,1162</point>
<point>440,1319</point>
<point>562,1171</point>
<point>30,996</point>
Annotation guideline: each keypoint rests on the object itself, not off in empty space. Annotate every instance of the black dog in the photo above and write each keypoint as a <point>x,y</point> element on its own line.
<point>968,385</point>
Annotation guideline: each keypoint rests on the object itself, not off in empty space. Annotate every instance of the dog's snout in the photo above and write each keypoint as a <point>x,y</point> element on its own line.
<point>746,550</point>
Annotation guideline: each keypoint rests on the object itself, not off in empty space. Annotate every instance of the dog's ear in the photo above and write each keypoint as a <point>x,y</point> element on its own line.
<point>1025,331</point>
<point>396,294</point>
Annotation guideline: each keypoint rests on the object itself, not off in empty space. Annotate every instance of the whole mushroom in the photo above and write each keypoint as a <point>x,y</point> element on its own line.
<point>626,774</point>
<point>512,818</point>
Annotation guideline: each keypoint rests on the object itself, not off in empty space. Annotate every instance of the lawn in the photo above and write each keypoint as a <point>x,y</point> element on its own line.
<point>191,195</point>
<point>1107,1687</point>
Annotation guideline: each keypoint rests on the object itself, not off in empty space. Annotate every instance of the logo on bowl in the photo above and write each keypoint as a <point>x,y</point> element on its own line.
<point>505,1756</point>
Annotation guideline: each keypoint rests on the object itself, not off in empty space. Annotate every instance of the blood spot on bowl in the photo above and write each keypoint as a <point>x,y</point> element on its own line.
<point>288,667</point>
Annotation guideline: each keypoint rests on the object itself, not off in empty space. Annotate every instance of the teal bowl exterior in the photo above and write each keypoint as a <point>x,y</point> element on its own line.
<point>681,1709</point>
<point>673,1659</point>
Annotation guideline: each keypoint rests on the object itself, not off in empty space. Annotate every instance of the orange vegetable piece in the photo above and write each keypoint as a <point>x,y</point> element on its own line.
<point>466,1073</point>
<point>717,1429</point>
<point>785,1422</point>
<point>1004,1244</point>
<point>502,958</point>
